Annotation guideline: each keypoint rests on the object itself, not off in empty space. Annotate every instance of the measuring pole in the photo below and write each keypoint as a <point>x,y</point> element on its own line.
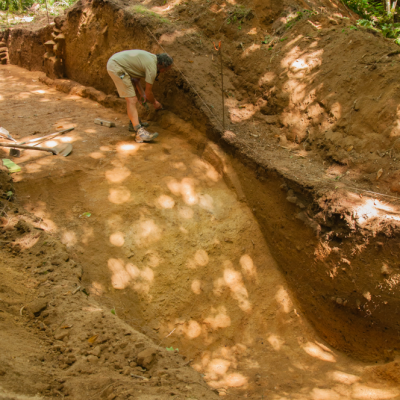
<point>219,49</point>
<point>47,11</point>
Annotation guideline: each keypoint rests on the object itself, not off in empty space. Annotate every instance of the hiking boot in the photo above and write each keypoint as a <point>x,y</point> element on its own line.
<point>132,129</point>
<point>143,136</point>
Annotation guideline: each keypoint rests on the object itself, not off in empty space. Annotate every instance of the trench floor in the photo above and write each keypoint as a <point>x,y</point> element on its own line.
<point>169,248</point>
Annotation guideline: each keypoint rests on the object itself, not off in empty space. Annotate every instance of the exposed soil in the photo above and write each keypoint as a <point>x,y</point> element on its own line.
<point>170,248</point>
<point>183,241</point>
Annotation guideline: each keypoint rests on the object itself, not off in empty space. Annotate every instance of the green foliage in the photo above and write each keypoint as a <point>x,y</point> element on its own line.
<point>293,20</point>
<point>22,5</point>
<point>145,11</point>
<point>238,14</point>
<point>376,17</point>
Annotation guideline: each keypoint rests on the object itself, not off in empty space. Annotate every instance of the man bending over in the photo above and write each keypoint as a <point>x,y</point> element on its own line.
<point>126,68</point>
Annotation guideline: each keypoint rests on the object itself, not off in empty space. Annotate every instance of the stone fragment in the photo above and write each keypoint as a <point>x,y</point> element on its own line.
<point>96,351</point>
<point>62,334</point>
<point>292,199</point>
<point>92,359</point>
<point>386,270</point>
<point>146,357</point>
<point>36,307</point>
<point>60,37</point>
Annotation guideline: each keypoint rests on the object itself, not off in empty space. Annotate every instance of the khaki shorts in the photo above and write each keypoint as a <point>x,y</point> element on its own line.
<point>124,84</point>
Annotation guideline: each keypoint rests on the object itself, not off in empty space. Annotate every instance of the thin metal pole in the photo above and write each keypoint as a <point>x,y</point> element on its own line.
<point>48,19</point>
<point>222,88</point>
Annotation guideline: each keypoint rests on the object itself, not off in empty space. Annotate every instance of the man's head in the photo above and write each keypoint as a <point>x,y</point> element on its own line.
<point>164,62</point>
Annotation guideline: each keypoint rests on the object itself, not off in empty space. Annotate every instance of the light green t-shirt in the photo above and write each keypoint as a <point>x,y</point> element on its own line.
<point>138,64</point>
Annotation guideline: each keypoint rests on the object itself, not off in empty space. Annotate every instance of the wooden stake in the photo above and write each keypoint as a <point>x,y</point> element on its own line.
<point>222,87</point>
<point>219,49</point>
<point>47,11</point>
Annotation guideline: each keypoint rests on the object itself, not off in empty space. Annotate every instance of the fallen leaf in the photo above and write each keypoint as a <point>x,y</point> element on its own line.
<point>93,339</point>
<point>66,326</point>
<point>379,174</point>
<point>190,61</point>
<point>85,214</point>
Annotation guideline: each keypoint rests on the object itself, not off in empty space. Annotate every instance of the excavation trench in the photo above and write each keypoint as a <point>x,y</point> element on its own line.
<point>169,245</point>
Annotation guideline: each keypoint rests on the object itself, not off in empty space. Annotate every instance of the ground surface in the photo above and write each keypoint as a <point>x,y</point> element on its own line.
<point>170,249</point>
<point>311,104</point>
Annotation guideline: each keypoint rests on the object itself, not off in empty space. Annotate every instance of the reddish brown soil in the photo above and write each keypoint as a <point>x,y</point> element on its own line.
<point>313,153</point>
<point>167,246</point>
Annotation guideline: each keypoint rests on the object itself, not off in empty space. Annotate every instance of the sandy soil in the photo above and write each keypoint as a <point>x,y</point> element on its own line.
<point>169,248</point>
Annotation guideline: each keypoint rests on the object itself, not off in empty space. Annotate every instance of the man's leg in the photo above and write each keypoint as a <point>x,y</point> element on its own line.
<point>132,111</point>
<point>141,134</point>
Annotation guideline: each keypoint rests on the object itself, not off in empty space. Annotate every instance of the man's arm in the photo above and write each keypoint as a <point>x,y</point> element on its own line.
<point>150,97</point>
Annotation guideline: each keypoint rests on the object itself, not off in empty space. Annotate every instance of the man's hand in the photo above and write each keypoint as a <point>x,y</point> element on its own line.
<point>157,105</point>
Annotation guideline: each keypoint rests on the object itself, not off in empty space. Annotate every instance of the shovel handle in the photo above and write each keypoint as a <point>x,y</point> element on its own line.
<point>47,136</point>
<point>20,146</point>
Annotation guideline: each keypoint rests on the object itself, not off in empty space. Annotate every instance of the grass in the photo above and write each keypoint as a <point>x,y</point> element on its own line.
<point>145,11</point>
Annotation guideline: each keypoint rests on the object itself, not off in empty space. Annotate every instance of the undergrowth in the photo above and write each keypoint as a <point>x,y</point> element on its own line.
<point>145,11</point>
<point>375,16</point>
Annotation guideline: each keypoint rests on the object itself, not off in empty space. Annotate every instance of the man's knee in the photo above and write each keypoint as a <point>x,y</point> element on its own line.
<point>131,100</point>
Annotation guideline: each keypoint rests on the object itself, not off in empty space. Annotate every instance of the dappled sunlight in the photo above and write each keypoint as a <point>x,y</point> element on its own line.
<point>126,148</point>
<point>96,155</point>
<point>251,49</point>
<point>218,319</point>
<point>316,351</point>
<point>67,139</point>
<point>96,289</point>
<point>343,377</point>
<point>268,77</point>
<point>219,367</point>
<point>283,299</point>
<point>185,212</point>
<point>184,188</point>
<point>242,113</point>
<point>204,170</point>
<point>364,392</point>
<point>196,286</point>
<point>325,394</point>
<point>170,37</point>
<point>179,165</point>
<point>27,241</point>
<point>276,342</point>
<point>88,233</point>
<point>146,232</point>
<point>117,175</point>
<point>139,279</point>
<point>119,195</point>
<point>206,202</point>
<point>69,238</point>
<point>232,279</point>
<point>117,239</point>
<point>166,202</point>
<point>248,268</point>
